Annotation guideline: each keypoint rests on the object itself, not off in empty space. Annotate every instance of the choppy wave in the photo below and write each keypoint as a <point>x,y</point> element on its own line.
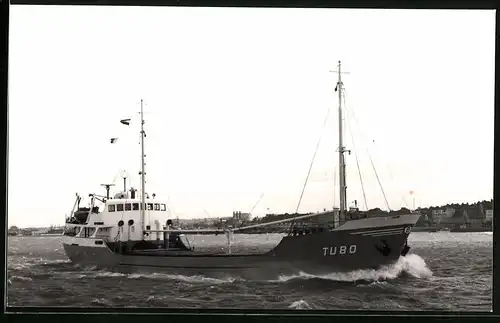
<point>91,272</point>
<point>28,262</point>
<point>101,302</point>
<point>20,278</point>
<point>412,264</point>
<point>461,279</point>
<point>377,283</point>
<point>188,279</point>
<point>300,305</point>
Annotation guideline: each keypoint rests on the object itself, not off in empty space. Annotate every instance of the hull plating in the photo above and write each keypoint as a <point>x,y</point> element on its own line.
<point>320,253</point>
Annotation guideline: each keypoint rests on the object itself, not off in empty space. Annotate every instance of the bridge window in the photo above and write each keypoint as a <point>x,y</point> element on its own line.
<point>157,206</point>
<point>128,207</point>
<point>135,206</point>
<point>150,206</point>
<point>163,207</point>
<point>119,207</point>
<point>111,208</point>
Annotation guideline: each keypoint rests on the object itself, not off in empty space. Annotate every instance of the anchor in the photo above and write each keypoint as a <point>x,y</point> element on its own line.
<point>384,249</point>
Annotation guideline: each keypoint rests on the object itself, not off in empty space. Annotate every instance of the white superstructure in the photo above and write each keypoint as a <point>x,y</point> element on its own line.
<point>124,217</point>
<point>120,219</point>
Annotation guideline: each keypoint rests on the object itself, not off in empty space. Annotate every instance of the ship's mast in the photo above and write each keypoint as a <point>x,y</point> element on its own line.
<point>342,177</point>
<point>143,175</point>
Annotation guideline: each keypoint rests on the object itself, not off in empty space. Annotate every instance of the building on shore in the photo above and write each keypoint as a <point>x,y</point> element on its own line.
<point>442,215</point>
<point>241,216</point>
<point>489,217</point>
<point>458,217</point>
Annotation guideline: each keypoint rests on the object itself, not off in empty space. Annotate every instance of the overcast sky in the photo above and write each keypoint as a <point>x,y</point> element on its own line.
<point>235,100</point>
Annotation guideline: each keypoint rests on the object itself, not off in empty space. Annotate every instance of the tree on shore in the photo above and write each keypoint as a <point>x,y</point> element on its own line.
<point>425,211</point>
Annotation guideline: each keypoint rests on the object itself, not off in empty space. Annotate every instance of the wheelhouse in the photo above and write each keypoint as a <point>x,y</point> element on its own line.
<point>134,205</point>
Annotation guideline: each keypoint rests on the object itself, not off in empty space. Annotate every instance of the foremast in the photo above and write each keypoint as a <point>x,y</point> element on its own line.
<point>143,175</point>
<point>341,150</point>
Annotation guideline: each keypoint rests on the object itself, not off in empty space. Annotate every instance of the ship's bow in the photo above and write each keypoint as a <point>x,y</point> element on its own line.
<point>358,244</point>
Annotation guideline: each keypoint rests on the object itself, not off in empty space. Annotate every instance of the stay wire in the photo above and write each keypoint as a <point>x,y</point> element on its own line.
<point>374,169</point>
<point>310,168</point>
<point>355,153</point>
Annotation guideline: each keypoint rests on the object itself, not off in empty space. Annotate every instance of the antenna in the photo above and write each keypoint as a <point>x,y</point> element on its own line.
<point>107,186</point>
<point>124,175</point>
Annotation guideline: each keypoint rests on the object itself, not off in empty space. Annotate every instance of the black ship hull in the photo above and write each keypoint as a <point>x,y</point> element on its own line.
<point>318,253</point>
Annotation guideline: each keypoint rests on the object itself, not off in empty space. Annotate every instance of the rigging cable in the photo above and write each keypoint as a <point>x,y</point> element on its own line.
<point>374,170</point>
<point>251,210</point>
<point>355,153</point>
<point>310,168</point>
<point>117,174</point>
<point>392,179</point>
<point>378,180</point>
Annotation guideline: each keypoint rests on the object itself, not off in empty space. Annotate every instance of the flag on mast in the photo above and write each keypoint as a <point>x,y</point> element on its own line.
<point>125,121</point>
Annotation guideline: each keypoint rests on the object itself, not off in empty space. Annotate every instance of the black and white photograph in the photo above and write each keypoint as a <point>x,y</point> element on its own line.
<point>250,158</point>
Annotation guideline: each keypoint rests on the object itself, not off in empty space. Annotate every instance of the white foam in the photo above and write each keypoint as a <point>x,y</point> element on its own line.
<point>20,266</point>
<point>55,261</point>
<point>188,279</point>
<point>300,305</point>
<point>109,274</point>
<point>101,301</point>
<point>376,283</point>
<point>19,278</point>
<point>85,267</point>
<point>412,264</point>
